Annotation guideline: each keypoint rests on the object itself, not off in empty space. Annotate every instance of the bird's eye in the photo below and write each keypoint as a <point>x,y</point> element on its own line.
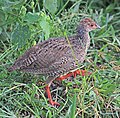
<point>91,25</point>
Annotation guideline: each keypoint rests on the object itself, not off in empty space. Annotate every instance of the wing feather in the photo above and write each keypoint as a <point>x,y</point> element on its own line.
<point>42,55</point>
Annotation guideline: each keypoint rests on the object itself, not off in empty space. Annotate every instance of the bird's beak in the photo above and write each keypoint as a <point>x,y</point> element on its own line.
<point>98,26</point>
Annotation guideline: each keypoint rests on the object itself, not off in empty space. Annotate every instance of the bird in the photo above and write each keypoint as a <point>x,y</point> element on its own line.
<point>57,58</point>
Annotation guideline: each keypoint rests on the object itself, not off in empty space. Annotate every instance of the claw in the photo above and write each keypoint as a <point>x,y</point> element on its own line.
<point>89,73</point>
<point>81,72</point>
<point>75,73</point>
<point>53,103</point>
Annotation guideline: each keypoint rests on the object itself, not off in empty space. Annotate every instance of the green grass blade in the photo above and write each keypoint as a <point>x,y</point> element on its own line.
<point>73,107</point>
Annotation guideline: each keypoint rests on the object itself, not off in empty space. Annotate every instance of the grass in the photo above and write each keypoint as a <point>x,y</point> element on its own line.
<point>23,24</point>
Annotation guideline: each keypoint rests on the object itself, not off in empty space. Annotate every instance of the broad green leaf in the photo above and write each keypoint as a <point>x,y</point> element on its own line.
<point>9,5</point>
<point>31,17</point>
<point>20,35</point>
<point>51,5</point>
<point>76,8</point>
<point>45,26</point>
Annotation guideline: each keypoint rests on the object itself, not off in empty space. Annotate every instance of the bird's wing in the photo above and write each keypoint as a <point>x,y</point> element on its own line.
<point>41,55</point>
<point>66,63</point>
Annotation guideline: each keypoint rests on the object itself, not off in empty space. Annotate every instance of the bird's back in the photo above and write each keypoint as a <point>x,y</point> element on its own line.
<point>52,57</point>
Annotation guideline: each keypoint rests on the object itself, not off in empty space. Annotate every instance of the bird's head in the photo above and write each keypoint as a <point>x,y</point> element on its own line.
<point>89,24</point>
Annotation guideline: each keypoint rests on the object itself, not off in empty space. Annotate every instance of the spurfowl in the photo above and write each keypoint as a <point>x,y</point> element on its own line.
<point>57,58</point>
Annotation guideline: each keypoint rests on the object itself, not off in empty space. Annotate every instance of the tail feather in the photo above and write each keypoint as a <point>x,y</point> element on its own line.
<point>11,68</point>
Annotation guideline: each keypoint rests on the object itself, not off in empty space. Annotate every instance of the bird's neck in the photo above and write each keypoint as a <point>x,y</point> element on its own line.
<point>83,36</point>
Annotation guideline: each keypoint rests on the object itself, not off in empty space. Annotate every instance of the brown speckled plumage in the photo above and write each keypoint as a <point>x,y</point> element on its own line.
<point>54,57</point>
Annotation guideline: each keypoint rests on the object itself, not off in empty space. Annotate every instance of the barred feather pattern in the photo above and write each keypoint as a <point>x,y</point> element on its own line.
<point>54,57</point>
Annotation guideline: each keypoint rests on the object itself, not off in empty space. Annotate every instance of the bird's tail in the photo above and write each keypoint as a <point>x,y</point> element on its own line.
<point>11,68</point>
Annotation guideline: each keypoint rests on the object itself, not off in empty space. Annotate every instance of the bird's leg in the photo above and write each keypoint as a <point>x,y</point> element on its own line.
<point>64,76</point>
<point>80,72</point>
<point>47,88</point>
<point>74,73</point>
<point>53,103</point>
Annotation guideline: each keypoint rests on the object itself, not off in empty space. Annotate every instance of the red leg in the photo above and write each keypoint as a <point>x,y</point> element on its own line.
<point>53,103</point>
<point>64,76</point>
<point>75,73</point>
<point>81,72</point>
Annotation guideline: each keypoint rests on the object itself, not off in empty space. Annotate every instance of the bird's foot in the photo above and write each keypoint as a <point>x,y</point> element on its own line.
<point>81,72</point>
<point>74,73</point>
<point>64,76</point>
<point>53,103</point>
